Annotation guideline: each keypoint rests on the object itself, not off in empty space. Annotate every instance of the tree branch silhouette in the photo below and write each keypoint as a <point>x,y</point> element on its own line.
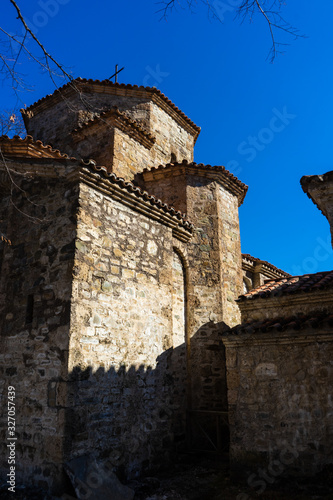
<point>269,10</point>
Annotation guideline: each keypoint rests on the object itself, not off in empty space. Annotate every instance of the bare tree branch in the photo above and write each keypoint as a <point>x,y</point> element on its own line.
<point>270,10</point>
<point>48,56</point>
<point>11,123</point>
<point>14,47</point>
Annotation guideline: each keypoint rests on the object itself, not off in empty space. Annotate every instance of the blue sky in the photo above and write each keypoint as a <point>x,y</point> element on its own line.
<point>268,123</point>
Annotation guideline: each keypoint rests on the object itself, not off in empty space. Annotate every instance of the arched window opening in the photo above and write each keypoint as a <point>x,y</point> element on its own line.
<point>173,158</point>
<point>178,301</point>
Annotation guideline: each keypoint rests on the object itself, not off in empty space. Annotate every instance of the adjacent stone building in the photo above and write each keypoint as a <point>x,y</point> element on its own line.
<point>131,324</point>
<point>280,370</point>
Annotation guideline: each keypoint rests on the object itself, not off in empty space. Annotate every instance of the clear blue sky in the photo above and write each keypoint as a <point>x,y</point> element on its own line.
<point>219,75</point>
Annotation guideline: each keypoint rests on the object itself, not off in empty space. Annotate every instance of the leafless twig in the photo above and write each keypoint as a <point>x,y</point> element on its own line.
<point>270,10</point>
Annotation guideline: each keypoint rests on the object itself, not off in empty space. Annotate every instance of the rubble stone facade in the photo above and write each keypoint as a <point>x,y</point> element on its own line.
<point>279,374</point>
<point>112,297</point>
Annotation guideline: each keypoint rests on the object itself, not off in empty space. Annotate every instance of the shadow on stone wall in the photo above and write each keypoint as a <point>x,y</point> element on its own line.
<point>136,416</point>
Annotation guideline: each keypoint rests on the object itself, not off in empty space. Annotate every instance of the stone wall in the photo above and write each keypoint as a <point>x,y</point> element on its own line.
<point>129,157</point>
<point>93,325</point>
<point>280,403</point>
<point>113,148</point>
<point>126,383</point>
<point>171,138</point>
<point>214,272</point>
<point>229,238</point>
<point>207,298</point>
<point>319,189</point>
<point>35,290</point>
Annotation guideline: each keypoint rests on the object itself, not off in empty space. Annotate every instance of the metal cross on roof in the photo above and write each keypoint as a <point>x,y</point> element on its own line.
<point>116,74</point>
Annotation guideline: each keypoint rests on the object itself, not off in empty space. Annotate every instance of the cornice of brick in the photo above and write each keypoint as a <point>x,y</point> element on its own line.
<point>118,120</point>
<point>133,197</point>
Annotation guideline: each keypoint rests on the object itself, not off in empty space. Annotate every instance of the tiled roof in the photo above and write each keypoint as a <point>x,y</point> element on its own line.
<point>247,257</point>
<point>298,322</point>
<point>229,181</point>
<point>79,84</point>
<point>28,148</point>
<point>294,284</point>
<point>140,193</point>
<point>123,122</point>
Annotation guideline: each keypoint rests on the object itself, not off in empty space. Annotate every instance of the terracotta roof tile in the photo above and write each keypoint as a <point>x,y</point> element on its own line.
<point>313,320</point>
<point>140,193</point>
<point>79,83</point>
<point>17,147</point>
<point>294,284</point>
<point>231,182</point>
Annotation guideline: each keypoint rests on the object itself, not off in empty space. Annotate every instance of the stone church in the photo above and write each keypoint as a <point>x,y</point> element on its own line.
<point>132,326</point>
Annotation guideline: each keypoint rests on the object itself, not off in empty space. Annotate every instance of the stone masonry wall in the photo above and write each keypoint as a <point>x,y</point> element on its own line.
<point>214,274</point>
<point>205,296</point>
<point>35,291</point>
<point>167,186</point>
<point>124,383</point>
<point>280,405</point>
<point>229,238</point>
<point>179,357</point>
<point>319,188</point>
<point>114,149</point>
<point>129,157</point>
<point>171,138</point>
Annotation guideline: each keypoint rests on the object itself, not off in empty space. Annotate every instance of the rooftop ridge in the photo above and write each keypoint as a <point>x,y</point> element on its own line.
<point>27,146</point>
<point>73,86</point>
<point>294,284</point>
<point>265,263</point>
<point>232,183</point>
